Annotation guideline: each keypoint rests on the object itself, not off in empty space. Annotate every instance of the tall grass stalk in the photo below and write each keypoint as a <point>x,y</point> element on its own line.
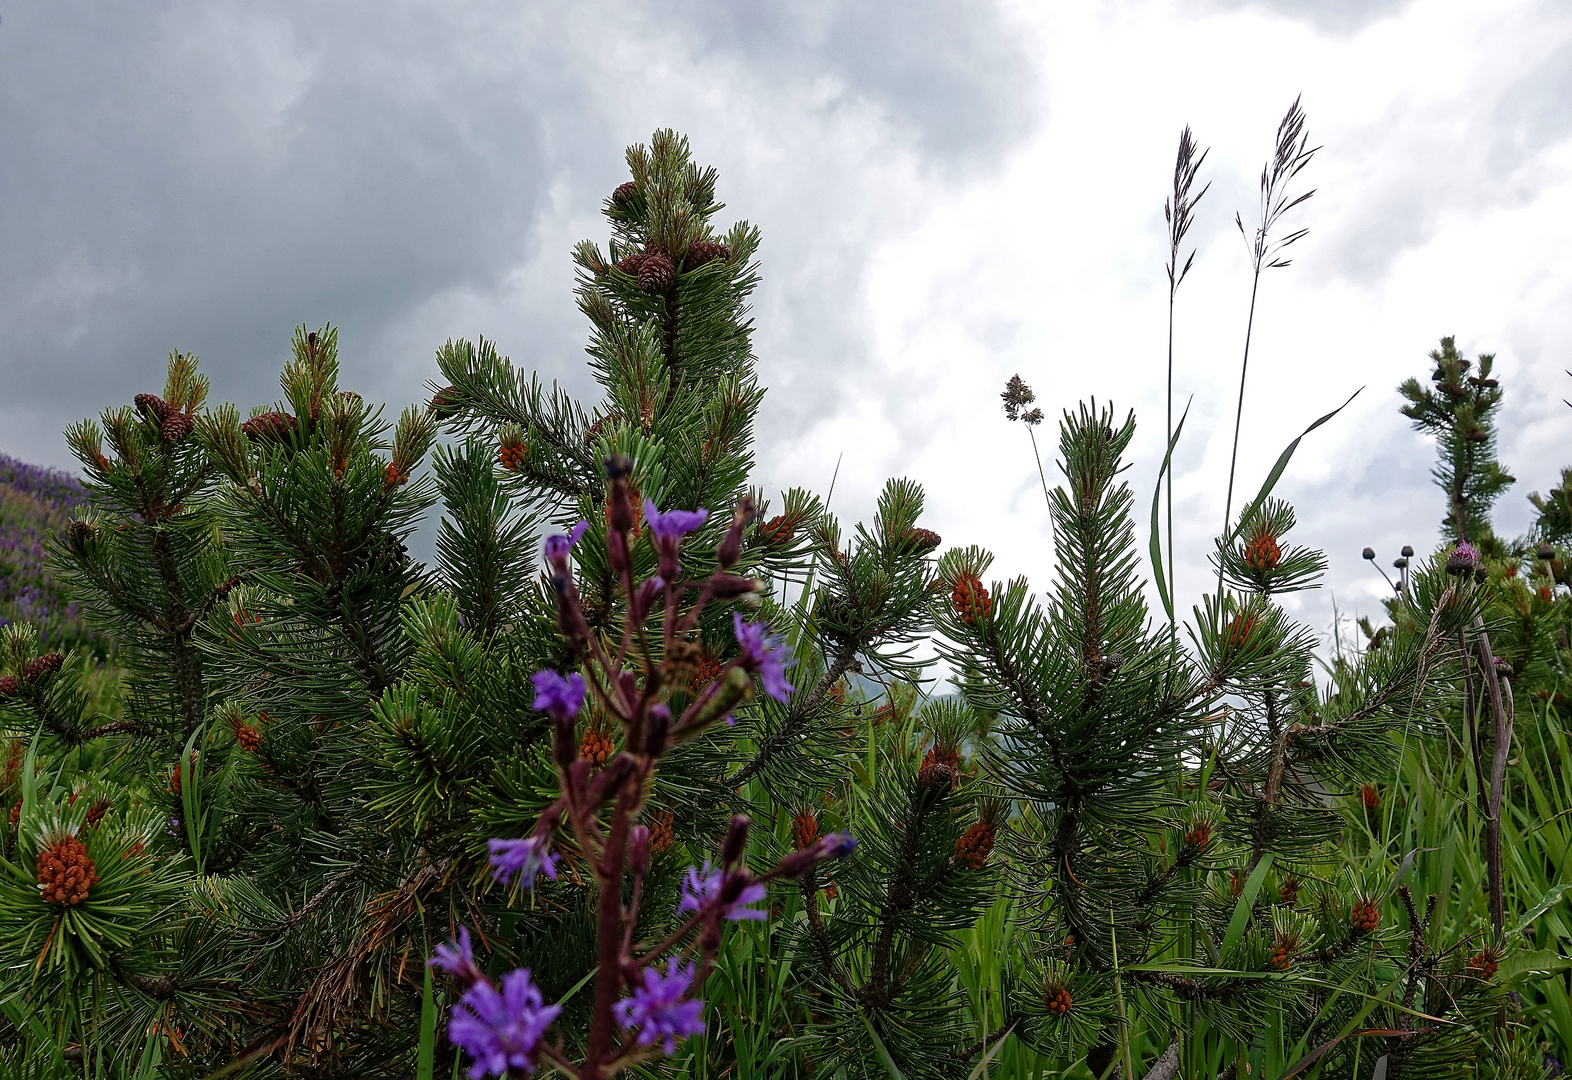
<point>1178,212</point>
<point>1293,153</point>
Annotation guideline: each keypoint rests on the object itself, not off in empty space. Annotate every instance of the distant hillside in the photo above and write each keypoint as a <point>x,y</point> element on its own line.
<point>36,503</point>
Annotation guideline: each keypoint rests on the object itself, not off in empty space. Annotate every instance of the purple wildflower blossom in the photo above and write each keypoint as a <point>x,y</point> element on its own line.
<point>659,1008</point>
<point>501,1030</point>
<point>701,887</point>
<point>668,529</point>
<point>527,858</point>
<point>839,845</point>
<point>457,958</point>
<point>558,696</point>
<point>765,653</point>
<point>673,525</point>
<point>558,546</point>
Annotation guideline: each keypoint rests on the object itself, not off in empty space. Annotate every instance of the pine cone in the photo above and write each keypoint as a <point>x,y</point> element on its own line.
<point>445,403</point>
<point>935,776</point>
<point>7,686</point>
<point>662,834</point>
<point>154,407</point>
<point>1366,917</point>
<point>624,192</point>
<point>1484,963</point>
<point>512,452</point>
<point>1262,553</point>
<point>65,873</point>
<point>919,541</point>
<point>1288,892</point>
<point>393,476</point>
<point>248,738</point>
<point>174,776</point>
<point>630,264</point>
<point>1240,629</point>
<point>975,845</point>
<point>702,251</point>
<point>778,530</point>
<point>804,829</point>
<point>40,670</point>
<point>656,273</point>
<point>269,426</point>
<point>1199,837</point>
<point>1058,1000</point>
<point>96,812</point>
<point>1283,950</point>
<point>80,533</point>
<point>175,428</point>
<point>596,748</point>
<point>970,600</point>
<point>1369,797</point>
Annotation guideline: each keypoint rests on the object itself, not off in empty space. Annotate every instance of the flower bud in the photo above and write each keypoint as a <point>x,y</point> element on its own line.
<point>565,749</point>
<point>729,587</point>
<point>639,851</point>
<point>617,552</point>
<point>657,729</point>
<point>1408,551</point>
<point>1369,554</point>
<point>620,502</point>
<point>730,549</point>
<point>736,840</point>
<point>1464,559</point>
<point>644,599</point>
<point>1545,552</point>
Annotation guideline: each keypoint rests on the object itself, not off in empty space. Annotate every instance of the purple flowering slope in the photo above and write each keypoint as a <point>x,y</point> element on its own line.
<point>36,503</point>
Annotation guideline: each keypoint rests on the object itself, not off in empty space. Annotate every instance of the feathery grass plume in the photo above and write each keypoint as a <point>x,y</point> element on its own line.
<point>1179,213</point>
<point>1017,396</point>
<point>1292,154</point>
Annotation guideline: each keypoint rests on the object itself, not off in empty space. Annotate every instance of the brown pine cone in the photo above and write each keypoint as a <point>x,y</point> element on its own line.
<point>630,264</point>
<point>512,452</point>
<point>248,738</point>
<point>662,834</point>
<point>703,251</point>
<point>975,845</point>
<point>935,776</point>
<point>1262,553</point>
<point>153,407</point>
<point>624,192</point>
<point>65,873</point>
<point>175,428</point>
<point>656,273</point>
<point>7,686</point>
<point>919,541</point>
<point>39,670</point>
<point>970,600</point>
<point>778,530</point>
<point>269,426</point>
<point>596,748</point>
<point>445,403</point>
<point>1058,1000</point>
<point>1366,917</point>
<point>804,828</point>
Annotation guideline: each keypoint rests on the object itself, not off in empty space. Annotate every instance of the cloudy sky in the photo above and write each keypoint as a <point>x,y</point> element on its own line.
<point>949,193</point>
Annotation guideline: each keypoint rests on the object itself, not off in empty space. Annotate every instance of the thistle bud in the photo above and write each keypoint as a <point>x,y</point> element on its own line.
<point>736,841</point>
<point>639,851</point>
<point>1369,554</point>
<point>1408,551</point>
<point>1464,559</point>
<point>1545,552</point>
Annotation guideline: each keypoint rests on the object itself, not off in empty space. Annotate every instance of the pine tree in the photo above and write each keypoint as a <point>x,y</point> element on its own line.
<point>1459,413</point>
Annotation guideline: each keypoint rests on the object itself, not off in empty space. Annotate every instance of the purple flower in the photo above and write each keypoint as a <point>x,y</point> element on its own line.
<point>669,529</point>
<point>1464,559</point>
<point>673,525</point>
<point>560,697</point>
<point>702,887</point>
<point>660,1010</point>
<point>764,653</point>
<point>501,1031</point>
<point>528,858</point>
<point>558,546</point>
<point>457,958</point>
<point>838,845</point>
